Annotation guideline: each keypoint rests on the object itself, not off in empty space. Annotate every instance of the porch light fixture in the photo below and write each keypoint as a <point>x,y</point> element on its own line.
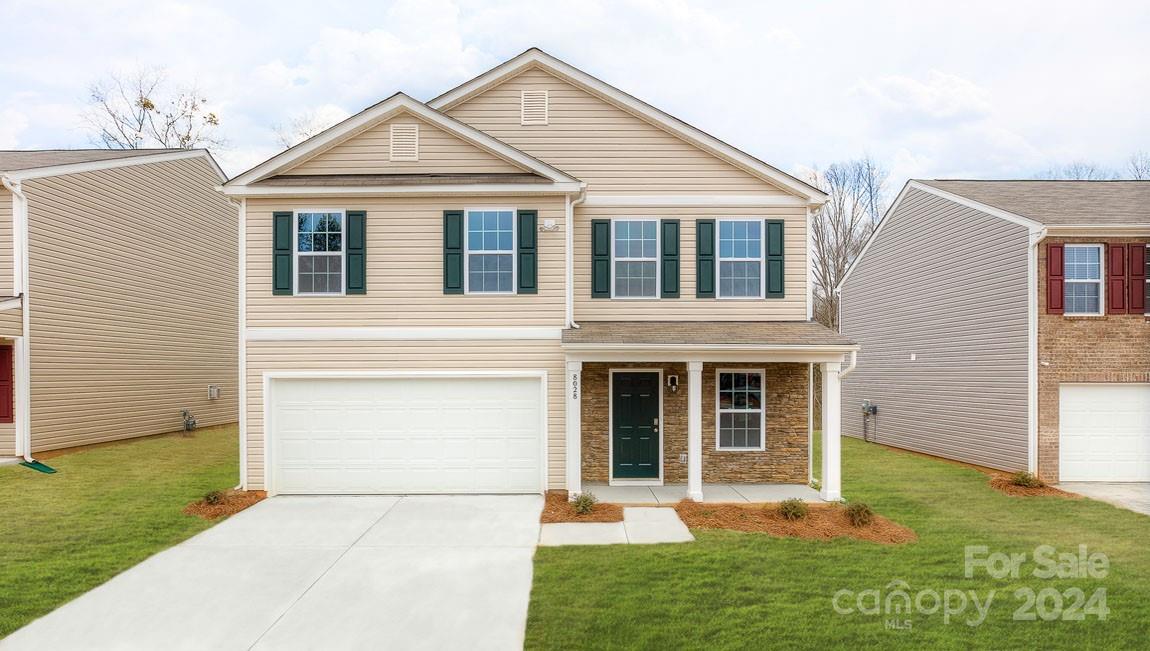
<point>673,383</point>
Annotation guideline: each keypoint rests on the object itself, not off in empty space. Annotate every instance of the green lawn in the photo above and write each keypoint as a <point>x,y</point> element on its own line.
<point>105,510</point>
<point>735,590</point>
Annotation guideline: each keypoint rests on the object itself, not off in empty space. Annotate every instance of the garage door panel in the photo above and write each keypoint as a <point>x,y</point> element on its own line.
<point>1104,432</point>
<point>411,435</point>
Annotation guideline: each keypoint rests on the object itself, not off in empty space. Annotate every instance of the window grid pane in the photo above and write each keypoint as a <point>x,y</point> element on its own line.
<point>490,248</point>
<point>740,258</point>
<point>636,250</point>
<point>740,410</point>
<point>319,242</point>
<point>1082,269</point>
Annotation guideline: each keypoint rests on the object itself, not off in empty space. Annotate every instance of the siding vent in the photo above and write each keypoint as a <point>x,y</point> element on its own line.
<point>404,142</point>
<point>533,107</point>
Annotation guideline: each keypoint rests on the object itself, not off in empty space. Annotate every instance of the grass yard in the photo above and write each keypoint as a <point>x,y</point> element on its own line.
<point>733,590</point>
<point>105,510</point>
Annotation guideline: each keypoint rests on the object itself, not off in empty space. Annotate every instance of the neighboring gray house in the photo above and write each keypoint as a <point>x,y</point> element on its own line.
<point>1003,323</point>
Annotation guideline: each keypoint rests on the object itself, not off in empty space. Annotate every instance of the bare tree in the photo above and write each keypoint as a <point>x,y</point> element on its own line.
<point>1138,166</point>
<point>140,109</point>
<point>1079,171</point>
<point>857,200</point>
<point>302,127</point>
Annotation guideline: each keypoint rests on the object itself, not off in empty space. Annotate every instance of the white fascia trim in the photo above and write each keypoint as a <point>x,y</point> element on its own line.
<point>77,168</point>
<point>699,200</point>
<point>11,303</point>
<point>705,141</point>
<point>400,190</point>
<point>1032,225</point>
<point>430,333</point>
<point>371,116</point>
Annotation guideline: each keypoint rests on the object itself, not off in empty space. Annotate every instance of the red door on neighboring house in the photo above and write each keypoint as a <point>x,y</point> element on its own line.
<point>7,372</point>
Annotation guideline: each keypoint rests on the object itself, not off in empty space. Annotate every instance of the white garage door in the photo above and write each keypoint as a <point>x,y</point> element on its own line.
<point>407,435</point>
<point>1104,432</point>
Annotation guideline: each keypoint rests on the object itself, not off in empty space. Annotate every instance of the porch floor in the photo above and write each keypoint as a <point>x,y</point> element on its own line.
<point>671,494</point>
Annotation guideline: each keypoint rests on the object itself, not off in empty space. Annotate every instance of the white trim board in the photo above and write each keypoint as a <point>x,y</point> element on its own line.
<point>400,190</point>
<point>693,200</point>
<point>535,57</point>
<point>428,333</point>
<point>381,112</point>
<point>112,163</point>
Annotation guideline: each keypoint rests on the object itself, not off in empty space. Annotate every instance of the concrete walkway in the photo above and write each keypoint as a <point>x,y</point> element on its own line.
<point>640,526</point>
<point>1134,496</point>
<point>671,494</point>
<point>321,573</point>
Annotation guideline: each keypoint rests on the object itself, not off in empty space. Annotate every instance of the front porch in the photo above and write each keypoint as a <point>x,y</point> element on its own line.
<point>716,412</point>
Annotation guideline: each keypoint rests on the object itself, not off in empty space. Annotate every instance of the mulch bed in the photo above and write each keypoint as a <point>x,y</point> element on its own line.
<point>823,522</point>
<point>557,508</point>
<point>233,502</point>
<point>1001,483</point>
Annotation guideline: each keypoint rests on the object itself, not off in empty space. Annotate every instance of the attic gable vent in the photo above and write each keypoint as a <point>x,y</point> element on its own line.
<point>404,142</point>
<point>533,107</point>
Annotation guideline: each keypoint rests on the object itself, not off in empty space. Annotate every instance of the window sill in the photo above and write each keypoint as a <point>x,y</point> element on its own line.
<point>740,449</point>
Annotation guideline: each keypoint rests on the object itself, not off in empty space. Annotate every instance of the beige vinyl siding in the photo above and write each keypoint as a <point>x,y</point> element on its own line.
<point>369,152</point>
<point>612,150</point>
<point>793,307</point>
<point>405,269</point>
<point>948,284</point>
<point>6,255</point>
<point>12,322</point>
<point>133,302</point>
<point>264,356</point>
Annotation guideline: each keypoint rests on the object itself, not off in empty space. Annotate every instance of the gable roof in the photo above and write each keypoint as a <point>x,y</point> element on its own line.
<point>380,112</point>
<point>29,164</point>
<point>1060,203</point>
<point>535,57</point>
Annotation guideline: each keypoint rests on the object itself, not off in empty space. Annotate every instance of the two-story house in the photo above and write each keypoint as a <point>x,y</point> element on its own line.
<point>533,281</point>
<point>1004,323</point>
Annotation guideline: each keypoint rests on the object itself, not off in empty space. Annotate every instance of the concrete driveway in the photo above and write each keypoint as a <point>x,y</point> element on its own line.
<point>425,572</point>
<point>1134,496</point>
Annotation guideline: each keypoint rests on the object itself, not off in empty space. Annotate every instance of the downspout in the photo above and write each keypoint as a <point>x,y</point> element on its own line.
<point>850,365</point>
<point>242,323</point>
<point>20,287</point>
<point>1036,237</point>
<point>569,244</point>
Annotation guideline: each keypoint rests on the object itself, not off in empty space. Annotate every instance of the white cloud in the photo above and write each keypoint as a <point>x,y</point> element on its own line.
<point>12,124</point>
<point>940,98</point>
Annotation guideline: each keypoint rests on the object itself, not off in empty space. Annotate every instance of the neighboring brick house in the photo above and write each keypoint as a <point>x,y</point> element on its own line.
<point>544,282</point>
<point>1004,323</point>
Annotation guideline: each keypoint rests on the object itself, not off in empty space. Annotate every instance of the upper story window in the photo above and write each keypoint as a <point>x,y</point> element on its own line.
<point>491,251</point>
<point>319,252</point>
<point>1147,283</point>
<point>635,249</point>
<point>1083,279</point>
<point>741,423</point>
<point>740,259</point>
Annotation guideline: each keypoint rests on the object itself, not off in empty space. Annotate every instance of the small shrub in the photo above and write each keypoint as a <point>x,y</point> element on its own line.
<point>793,509</point>
<point>1027,480</point>
<point>859,514</point>
<point>214,498</point>
<point>584,503</point>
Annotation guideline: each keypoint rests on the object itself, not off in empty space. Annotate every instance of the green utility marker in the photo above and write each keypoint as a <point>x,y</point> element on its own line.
<point>38,467</point>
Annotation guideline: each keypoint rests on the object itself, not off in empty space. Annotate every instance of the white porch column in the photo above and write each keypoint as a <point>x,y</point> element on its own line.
<point>695,431</point>
<point>832,430</point>
<point>574,427</point>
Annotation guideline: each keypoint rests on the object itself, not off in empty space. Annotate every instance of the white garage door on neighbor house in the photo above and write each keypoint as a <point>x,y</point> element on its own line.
<point>468,434</point>
<point>1104,432</point>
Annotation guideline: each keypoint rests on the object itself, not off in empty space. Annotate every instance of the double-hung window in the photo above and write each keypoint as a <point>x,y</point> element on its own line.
<point>1147,283</point>
<point>1082,271</point>
<point>740,259</point>
<point>635,245</point>
<point>741,424</point>
<point>319,252</point>
<point>491,251</point>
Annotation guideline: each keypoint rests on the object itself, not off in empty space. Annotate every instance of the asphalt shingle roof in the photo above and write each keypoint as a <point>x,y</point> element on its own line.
<point>17,160</point>
<point>783,333</point>
<point>1060,202</point>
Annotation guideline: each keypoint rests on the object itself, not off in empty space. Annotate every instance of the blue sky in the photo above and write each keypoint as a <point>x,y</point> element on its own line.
<point>930,89</point>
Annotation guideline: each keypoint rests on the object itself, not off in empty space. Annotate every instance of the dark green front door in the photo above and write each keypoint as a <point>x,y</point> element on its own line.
<point>635,425</point>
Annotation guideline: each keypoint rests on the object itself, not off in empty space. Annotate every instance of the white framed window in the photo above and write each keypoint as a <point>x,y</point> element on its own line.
<point>490,251</point>
<point>1147,283</point>
<point>319,252</point>
<point>635,258</point>
<point>1083,290</point>
<point>740,422</point>
<point>741,260</point>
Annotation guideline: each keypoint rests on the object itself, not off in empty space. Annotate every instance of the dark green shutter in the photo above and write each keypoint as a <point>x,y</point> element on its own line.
<point>600,258</point>
<point>528,257</point>
<point>776,275</point>
<point>705,258</point>
<point>282,253</point>
<point>669,258</point>
<point>453,252</point>
<point>356,251</point>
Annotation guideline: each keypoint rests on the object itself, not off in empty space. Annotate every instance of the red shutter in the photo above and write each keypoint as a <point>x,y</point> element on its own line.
<point>1116,278</point>
<point>6,384</point>
<point>1054,279</point>
<point>1137,284</point>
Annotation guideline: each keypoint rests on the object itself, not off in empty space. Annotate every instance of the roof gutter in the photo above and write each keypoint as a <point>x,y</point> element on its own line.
<point>23,373</point>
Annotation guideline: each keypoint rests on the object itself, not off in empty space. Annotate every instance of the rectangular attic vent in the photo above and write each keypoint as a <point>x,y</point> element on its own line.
<point>404,142</point>
<point>533,107</point>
